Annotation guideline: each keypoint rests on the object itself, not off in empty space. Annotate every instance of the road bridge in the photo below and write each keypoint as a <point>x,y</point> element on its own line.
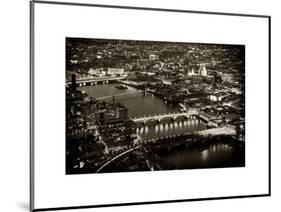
<point>95,80</point>
<point>116,157</point>
<point>159,117</point>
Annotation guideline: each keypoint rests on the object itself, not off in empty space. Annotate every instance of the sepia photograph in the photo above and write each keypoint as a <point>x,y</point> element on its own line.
<point>126,100</point>
<point>134,105</point>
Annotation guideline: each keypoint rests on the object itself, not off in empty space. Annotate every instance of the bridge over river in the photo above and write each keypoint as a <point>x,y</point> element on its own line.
<point>142,143</point>
<point>174,116</point>
<point>113,97</point>
<point>207,132</point>
<point>230,130</point>
<point>159,117</point>
<point>95,80</point>
<point>117,157</point>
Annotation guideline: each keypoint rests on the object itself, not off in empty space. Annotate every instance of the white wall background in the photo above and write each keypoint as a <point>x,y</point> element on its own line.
<point>14,107</point>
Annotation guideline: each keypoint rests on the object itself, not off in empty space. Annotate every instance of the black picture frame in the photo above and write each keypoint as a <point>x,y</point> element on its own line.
<point>32,34</point>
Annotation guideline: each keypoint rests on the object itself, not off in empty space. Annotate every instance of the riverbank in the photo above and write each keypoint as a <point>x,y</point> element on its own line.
<point>143,87</point>
<point>216,152</point>
<point>138,103</point>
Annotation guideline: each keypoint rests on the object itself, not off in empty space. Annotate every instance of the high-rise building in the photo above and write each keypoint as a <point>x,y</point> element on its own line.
<point>202,70</point>
<point>123,113</point>
<point>73,82</point>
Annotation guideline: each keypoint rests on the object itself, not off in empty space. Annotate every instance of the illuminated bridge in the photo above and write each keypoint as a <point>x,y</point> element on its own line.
<point>207,132</point>
<point>218,131</point>
<point>96,80</point>
<point>213,132</point>
<point>160,117</point>
<point>117,157</point>
<point>174,116</point>
<point>121,94</point>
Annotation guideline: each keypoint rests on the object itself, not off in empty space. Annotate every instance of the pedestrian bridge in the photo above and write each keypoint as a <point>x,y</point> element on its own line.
<point>129,94</point>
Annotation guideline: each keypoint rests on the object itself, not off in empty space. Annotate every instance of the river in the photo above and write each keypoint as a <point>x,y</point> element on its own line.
<point>135,100</point>
<point>214,155</point>
<point>145,105</point>
<point>169,128</point>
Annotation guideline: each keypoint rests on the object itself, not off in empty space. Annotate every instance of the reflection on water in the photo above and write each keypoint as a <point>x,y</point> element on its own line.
<point>137,103</point>
<point>157,130</point>
<point>215,155</point>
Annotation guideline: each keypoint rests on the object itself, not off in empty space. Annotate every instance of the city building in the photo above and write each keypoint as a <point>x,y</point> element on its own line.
<point>217,97</point>
<point>166,82</point>
<point>115,71</point>
<point>121,113</point>
<point>227,77</point>
<point>146,73</point>
<point>73,82</point>
<point>112,113</point>
<point>153,57</point>
<point>202,70</point>
<point>192,72</point>
<point>96,71</point>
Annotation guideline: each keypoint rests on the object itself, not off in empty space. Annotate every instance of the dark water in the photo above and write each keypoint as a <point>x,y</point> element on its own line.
<point>214,156</point>
<point>135,100</point>
<point>164,129</point>
<point>217,155</point>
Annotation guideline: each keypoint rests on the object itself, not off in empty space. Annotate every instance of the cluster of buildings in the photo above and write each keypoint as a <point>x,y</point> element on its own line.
<point>95,130</point>
<point>115,128</point>
<point>101,72</point>
<point>206,78</point>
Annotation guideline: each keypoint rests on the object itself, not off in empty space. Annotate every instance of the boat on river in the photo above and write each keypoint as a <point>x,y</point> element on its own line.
<point>122,87</point>
<point>182,107</point>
